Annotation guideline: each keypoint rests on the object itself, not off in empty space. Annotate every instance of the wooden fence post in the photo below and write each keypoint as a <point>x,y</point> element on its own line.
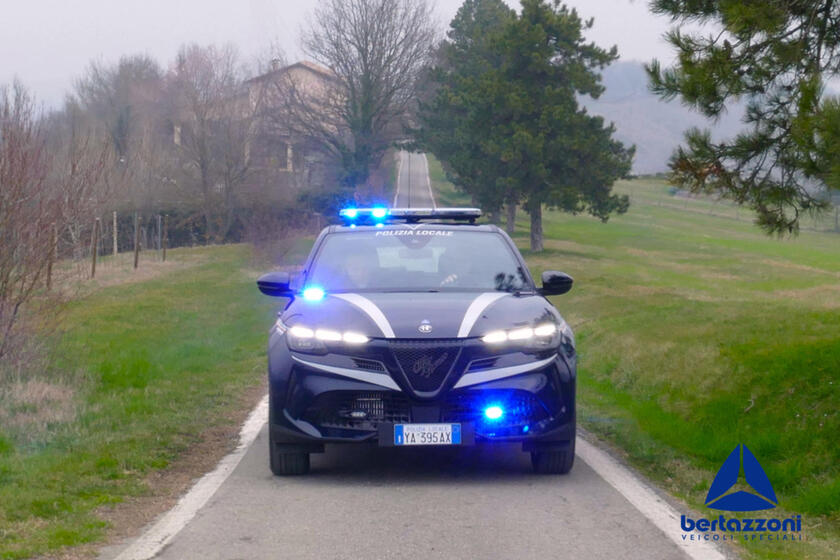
<point>115,233</point>
<point>136,240</point>
<point>165,234</point>
<point>94,245</point>
<point>53,255</point>
<point>159,233</point>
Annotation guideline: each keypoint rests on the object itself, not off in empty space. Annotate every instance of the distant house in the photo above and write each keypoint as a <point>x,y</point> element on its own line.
<point>280,154</point>
<point>281,161</point>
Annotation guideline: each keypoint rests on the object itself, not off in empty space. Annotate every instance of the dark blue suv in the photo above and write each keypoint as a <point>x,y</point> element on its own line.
<point>413,327</point>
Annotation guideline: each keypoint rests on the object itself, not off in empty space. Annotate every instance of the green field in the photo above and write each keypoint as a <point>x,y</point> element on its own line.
<point>697,333</point>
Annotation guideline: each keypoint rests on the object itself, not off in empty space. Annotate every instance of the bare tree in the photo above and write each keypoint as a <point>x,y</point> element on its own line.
<point>373,51</point>
<point>125,102</point>
<point>43,190</point>
<point>121,97</point>
<point>214,116</point>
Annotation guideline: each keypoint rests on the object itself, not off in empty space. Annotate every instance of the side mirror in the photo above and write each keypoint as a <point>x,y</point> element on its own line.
<point>555,283</point>
<point>275,284</point>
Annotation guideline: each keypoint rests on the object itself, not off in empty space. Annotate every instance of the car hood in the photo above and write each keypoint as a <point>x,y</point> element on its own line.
<point>421,315</point>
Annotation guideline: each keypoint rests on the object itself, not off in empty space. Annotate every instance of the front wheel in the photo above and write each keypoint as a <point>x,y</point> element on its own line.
<point>286,463</point>
<point>554,461</point>
<point>285,459</point>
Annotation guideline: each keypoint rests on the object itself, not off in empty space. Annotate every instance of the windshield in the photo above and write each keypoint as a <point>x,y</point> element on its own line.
<point>416,260</point>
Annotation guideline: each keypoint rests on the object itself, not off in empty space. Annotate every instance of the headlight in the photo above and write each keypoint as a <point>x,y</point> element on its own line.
<point>305,339</point>
<point>567,335</point>
<point>544,335</point>
<point>302,339</point>
<point>354,338</point>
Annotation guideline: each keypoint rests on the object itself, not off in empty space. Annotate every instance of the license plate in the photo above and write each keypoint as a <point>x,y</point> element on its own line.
<point>427,434</point>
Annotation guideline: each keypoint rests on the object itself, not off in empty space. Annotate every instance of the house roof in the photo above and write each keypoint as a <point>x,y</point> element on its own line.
<point>306,64</point>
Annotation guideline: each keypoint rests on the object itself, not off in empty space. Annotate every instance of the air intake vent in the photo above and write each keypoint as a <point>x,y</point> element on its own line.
<point>369,365</point>
<point>482,364</point>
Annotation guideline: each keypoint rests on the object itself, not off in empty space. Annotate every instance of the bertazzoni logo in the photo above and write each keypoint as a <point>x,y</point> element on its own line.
<point>720,495</point>
<point>724,495</point>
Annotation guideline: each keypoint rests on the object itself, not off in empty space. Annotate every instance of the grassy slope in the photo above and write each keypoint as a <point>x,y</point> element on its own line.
<point>154,364</point>
<point>445,192</point>
<point>697,333</point>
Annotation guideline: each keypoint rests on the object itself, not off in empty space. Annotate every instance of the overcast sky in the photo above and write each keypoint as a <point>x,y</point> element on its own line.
<point>48,43</point>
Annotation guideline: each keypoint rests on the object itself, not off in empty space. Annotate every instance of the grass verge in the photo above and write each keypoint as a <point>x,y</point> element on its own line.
<point>142,371</point>
<point>446,194</point>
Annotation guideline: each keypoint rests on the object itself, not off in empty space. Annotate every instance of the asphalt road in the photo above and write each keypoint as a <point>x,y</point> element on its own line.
<point>413,188</point>
<point>368,502</point>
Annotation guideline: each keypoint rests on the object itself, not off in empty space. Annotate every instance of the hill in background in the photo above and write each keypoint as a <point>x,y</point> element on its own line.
<point>641,118</point>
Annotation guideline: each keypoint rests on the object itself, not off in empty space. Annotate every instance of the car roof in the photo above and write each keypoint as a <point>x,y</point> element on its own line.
<point>428,225</point>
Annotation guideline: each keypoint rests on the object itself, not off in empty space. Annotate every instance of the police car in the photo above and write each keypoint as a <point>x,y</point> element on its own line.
<point>419,327</point>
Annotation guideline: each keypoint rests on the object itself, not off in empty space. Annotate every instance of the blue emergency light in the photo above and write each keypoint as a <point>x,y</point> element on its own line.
<point>379,215</point>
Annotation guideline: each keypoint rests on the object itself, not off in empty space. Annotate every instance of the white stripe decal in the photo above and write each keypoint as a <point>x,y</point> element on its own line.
<point>372,311</point>
<point>381,379</point>
<point>475,310</point>
<point>499,373</point>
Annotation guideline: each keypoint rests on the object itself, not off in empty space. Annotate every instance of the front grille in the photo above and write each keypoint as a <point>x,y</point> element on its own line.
<point>520,408</point>
<point>357,410</point>
<point>425,363</point>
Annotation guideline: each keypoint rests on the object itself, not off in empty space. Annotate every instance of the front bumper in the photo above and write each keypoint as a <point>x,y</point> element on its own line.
<point>339,399</point>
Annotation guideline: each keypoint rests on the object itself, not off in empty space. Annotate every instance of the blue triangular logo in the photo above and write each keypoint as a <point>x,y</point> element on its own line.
<point>727,477</point>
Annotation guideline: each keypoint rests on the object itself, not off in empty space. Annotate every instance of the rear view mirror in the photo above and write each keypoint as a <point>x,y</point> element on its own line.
<point>555,283</point>
<point>419,254</point>
<point>275,284</point>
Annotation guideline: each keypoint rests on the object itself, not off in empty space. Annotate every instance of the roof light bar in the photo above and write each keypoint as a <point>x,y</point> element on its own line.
<point>380,214</point>
<point>414,214</point>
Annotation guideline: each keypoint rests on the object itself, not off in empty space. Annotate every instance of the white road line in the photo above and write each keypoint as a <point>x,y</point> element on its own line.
<point>158,536</point>
<point>657,510</point>
<point>399,174</point>
<point>429,181</point>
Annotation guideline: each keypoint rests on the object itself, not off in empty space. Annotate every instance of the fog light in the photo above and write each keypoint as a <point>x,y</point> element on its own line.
<point>493,412</point>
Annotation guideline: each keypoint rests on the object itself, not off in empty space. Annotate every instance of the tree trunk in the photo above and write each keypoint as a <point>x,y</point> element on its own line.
<point>535,211</point>
<point>510,227</point>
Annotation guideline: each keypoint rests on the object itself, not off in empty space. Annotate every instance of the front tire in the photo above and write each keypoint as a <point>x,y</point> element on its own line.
<point>554,461</point>
<point>287,463</point>
<point>285,459</point>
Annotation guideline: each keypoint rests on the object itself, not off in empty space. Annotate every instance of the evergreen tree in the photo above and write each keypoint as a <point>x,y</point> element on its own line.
<point>775,55</point>
<point>456,118</point>
<point>505,118</point>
